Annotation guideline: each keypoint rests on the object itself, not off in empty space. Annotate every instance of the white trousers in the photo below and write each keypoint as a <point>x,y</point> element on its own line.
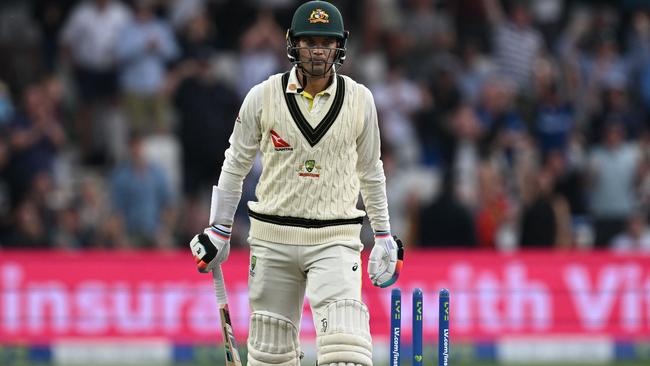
<point>280,275</point>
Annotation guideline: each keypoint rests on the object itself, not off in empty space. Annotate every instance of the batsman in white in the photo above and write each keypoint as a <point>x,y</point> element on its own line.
<point>319,139</point>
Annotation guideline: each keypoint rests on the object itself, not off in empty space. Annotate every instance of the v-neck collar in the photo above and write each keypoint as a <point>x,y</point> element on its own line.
<point>311,134</point>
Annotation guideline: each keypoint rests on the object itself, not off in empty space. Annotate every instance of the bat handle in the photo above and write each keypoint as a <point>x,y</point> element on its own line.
<point>219,286</point>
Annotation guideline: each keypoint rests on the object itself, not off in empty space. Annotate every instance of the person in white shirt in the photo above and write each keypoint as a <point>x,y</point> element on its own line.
<point>89,41</point>
<point>318,135</point>
<point>89,38</point>
<point>636,238</point>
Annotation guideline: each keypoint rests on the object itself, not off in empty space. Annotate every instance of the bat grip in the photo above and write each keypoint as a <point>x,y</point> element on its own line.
<point>219,286</point>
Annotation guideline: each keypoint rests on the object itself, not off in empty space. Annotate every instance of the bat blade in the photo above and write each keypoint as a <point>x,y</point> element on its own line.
<point>232,354</point>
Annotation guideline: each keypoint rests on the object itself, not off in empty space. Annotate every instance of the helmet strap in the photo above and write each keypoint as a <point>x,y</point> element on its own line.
<point>304,76</point>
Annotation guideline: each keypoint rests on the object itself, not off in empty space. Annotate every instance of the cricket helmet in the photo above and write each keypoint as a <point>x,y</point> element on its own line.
<point>316,19</point>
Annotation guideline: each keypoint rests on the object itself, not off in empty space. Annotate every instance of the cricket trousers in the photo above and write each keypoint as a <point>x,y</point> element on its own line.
<point>280,275</point>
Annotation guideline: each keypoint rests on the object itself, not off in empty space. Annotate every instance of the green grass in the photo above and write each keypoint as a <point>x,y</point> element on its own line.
<point>407,364</point>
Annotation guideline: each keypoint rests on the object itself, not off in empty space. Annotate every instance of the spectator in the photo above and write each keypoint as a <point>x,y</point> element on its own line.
<point>112,234</point>
<point>92,206</point>
<point>406,193</point>
<point>144,47</point>
<point>545,217</point>
<point>68,233</point>
<point>599,67</point>
<point>465,156</point>
<point>456,140</point>
<point>476,67</point>
<point>635,238</point>
<point>182,13</point>
<point>494,212</point>
<point>51,15</point>
<point>614,168</point>
<point>548,16</point>
<point>261,47</point>
<point>140,195</point>
<point>35,137</point>
<point>197,35</point>
<point>444,89</point>
<point>446,222</point>
<point>397,99</point>
<point>501,124</point>
<point>89,40</point>
<point>43,194</point>
<point>615,105</point>
<point>554,116</point>
<point>33,222</point>
<point>28,230</point>
<point>516,42</point>
<point>428,28</point>
<point>20,64</point>
<point>207,109</point>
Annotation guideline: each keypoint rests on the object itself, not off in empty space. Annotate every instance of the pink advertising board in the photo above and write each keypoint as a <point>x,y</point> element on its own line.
<point>46,296</point>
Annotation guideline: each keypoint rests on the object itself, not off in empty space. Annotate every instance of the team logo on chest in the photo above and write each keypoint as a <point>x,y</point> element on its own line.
<point>309,169</point>
<point>278,142</point>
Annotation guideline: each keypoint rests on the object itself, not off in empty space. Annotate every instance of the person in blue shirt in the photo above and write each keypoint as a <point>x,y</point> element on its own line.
<point>141,194</point>
<point>144,48</point>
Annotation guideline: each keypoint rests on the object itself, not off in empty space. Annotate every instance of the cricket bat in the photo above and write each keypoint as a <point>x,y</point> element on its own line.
<point>230,346</point>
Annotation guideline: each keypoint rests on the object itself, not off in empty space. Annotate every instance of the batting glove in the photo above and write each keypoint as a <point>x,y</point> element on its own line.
<point>211,247</point>
<point>386,259</point>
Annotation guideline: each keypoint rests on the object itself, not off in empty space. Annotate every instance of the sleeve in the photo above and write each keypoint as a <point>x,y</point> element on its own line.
<point>72,27</point>
<point>168,46</point>
<point>244,144</point>
<point>130,45</point>
<point>370,168</point>
<point>246,135</point>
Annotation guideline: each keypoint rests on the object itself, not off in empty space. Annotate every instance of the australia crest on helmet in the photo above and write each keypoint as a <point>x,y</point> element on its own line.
<point>319,16</point>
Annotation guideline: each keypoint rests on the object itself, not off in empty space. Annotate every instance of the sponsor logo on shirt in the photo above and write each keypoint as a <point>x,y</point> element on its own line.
<point>279,143</point>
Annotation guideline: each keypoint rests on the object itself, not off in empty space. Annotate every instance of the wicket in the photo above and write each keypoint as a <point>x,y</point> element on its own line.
<point>417,327</point>
<point>395,325</point>
<point>444,345</point>
<point>443,327</point>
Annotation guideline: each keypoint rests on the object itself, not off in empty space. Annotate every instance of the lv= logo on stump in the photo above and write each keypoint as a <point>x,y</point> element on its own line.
<point>418,313</point>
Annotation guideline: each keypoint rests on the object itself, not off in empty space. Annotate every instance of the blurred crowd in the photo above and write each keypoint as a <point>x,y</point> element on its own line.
<point>505,124</point>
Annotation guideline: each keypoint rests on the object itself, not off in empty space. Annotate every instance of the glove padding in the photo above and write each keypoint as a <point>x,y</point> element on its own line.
<point>386,260</point>
<point>211,247</point>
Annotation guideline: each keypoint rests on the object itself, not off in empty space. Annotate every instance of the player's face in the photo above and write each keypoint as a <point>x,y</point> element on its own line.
<point>317,53</point>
